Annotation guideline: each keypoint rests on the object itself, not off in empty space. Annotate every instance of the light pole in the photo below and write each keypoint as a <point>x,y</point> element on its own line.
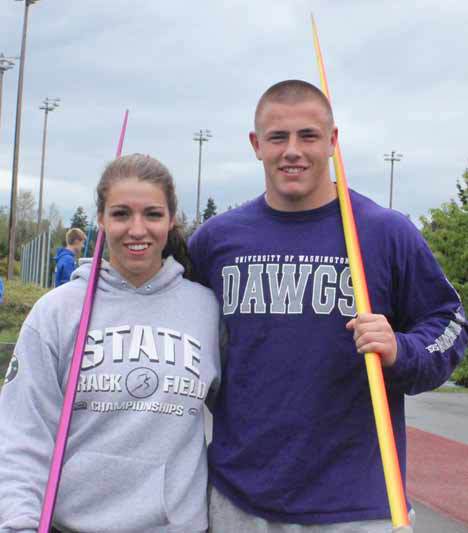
<point>6,63</point>
<point>49,104</point>
<point>392,158</point>
<point>201,136</point>
<point>14,175</point>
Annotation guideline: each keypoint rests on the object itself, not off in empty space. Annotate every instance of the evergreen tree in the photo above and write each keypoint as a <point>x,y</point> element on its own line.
<point>210,209</point>
<point>79,219</point>
<point>463,189</point>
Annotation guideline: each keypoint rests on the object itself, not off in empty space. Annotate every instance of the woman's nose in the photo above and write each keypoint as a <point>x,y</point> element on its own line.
<point>137,227</point>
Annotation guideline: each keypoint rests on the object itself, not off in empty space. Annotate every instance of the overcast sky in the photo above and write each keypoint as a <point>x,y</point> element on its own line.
<point>397,75</point>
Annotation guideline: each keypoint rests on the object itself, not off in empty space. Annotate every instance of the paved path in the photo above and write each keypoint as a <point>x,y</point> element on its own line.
<point>442,413</point>
<point>437,474</point>
<point>429,521</point>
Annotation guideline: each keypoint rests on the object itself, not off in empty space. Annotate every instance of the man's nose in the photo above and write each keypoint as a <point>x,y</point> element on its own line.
<point>292,151</point>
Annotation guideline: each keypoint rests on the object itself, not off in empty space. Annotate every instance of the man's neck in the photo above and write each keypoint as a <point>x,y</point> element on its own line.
<point>318,199</point>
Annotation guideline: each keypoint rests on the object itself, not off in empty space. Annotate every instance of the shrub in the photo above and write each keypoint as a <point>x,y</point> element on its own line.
<point>4,267</point>
<point>460,375</point>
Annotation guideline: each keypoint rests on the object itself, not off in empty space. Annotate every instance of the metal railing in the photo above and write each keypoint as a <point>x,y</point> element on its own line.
<point>35,260</point>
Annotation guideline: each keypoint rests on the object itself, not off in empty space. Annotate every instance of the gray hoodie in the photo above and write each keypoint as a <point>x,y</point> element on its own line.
<point>136,454</point>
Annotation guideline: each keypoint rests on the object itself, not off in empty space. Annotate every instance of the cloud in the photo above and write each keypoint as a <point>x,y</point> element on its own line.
<point>395,79</point>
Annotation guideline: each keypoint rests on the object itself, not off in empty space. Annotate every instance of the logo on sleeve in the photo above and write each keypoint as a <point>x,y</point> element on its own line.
<point>12,371</point>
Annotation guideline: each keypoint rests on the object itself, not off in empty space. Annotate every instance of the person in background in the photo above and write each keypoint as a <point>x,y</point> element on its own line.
<point>67,258</point>
<point>2,290</point>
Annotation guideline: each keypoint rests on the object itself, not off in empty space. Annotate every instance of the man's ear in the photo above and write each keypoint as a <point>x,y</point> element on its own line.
<point>255,144</point>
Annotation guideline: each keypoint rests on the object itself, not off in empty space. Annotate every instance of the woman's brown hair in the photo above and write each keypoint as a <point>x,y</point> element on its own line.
<point>149,169</point>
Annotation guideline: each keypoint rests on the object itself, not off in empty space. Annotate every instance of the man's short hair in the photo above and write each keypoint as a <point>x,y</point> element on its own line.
<point>74,235</point>
<point>292,92</point>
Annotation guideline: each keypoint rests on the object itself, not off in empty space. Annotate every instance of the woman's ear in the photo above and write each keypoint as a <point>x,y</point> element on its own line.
<point>100,221</point>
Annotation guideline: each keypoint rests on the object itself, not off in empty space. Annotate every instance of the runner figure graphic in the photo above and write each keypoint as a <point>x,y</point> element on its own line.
<point>142,382</point>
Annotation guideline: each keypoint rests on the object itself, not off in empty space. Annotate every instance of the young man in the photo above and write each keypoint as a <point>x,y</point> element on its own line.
<point>294,439</point>
<point>66,258</point>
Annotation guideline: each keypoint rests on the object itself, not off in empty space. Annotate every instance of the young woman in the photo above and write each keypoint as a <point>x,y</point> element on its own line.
<point>136,455</point>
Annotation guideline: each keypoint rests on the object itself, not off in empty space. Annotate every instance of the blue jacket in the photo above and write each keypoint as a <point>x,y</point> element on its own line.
<point>65,265</point>
<point>2,290</point>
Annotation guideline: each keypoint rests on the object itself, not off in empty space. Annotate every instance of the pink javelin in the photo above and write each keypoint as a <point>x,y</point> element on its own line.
<point>55,472</point>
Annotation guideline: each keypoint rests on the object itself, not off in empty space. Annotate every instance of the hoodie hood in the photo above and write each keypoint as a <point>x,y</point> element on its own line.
<point>110,280</point>
<point>62,252</point>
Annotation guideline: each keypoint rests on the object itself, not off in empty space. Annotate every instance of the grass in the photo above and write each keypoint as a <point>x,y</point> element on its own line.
<point>460,375</point>
<point>452,390</point>
<point>17,302</point>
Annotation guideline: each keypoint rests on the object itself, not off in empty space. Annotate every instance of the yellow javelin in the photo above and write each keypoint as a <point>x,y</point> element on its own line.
<point>383,422</point>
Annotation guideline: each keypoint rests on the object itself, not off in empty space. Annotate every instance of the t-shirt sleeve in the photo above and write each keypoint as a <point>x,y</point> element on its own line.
<point>197,252</point>
<point>431,326</point>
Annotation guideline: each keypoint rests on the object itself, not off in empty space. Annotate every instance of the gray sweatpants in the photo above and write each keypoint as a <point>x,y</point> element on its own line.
<point>225,517</point>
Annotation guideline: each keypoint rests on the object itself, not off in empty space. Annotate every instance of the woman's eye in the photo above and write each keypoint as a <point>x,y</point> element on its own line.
<point>119,214</point>
<point>155,214</point>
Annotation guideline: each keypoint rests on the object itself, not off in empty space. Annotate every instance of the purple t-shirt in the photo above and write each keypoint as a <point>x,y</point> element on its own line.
<point>294,437</point>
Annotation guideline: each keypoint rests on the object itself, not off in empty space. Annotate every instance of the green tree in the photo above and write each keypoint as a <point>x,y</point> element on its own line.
<point>447,234</point>
<point>3,231</point>
<point>26,223</point>
<point>79,219</point>
<point>210,209</point>
<point>463,189</point>
<point>446,231</point>
<point>182,221</point>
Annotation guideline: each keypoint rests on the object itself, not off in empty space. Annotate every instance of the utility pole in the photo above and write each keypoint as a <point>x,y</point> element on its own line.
<point>6,63</point>
<point>49,104</point>
<point>201,136</point>
<point>392,158</point>
<point>14,176</point>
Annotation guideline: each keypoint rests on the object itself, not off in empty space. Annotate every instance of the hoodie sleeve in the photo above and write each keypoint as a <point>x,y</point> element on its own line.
<point>432,328</point>
<point>30,403</point>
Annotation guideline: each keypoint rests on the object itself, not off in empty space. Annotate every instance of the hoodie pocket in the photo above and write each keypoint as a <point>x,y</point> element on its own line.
<point>102,492</point>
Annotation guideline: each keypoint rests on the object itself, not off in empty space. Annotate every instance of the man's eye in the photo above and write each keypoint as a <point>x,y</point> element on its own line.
<point>277,138</point>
